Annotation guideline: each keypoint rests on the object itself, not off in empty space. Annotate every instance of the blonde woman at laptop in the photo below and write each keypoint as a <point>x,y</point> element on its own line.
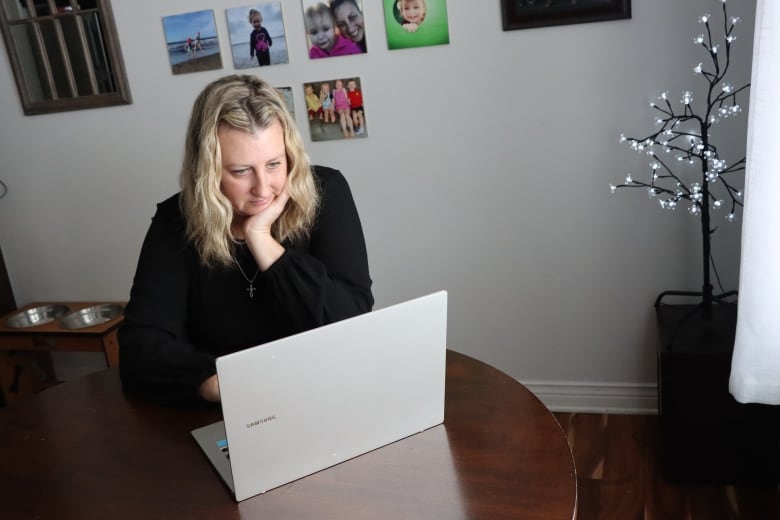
<point>258,245</point>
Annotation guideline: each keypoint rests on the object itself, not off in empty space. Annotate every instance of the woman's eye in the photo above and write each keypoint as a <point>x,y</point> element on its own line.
<point>274,165</point>
<point>239,171</point>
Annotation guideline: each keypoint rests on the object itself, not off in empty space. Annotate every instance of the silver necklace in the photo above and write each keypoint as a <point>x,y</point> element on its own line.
<point>251,287</point>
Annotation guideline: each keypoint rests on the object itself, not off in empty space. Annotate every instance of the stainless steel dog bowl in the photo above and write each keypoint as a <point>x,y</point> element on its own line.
<point>36,316</point>
<point>91,316</point>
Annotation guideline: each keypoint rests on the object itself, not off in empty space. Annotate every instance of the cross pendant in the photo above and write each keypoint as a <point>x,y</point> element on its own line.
<point>251,290</point>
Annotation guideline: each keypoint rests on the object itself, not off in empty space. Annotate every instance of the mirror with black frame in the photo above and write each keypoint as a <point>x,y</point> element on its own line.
<point>65,54</point>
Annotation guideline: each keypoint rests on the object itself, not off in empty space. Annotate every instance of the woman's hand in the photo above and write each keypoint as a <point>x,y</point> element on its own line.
<point>261,223</point>
<point>257,232</point>
<point>209,389</point>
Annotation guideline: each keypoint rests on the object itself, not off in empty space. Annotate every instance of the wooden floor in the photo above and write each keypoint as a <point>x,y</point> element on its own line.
<point>619,479</point>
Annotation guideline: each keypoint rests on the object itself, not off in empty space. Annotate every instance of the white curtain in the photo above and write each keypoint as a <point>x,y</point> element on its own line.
<point>755,368</point>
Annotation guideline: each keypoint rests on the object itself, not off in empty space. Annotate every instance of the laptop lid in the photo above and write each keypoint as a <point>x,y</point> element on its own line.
<point>303,403</point>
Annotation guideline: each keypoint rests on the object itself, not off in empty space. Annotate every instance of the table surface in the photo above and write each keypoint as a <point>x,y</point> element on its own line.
<point>82,449</point>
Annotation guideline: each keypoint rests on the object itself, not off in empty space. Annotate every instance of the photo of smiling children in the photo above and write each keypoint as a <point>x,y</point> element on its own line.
<point>257,35</point>
<point>416,23</point>
<point>335,109</point>
<point>324,38</point>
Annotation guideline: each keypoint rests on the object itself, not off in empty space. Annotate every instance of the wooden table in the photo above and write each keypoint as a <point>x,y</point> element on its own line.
<point>84,450</point>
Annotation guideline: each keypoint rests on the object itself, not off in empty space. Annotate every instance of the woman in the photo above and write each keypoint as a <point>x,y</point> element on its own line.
<point>349,20</point>
<point>258,245</point>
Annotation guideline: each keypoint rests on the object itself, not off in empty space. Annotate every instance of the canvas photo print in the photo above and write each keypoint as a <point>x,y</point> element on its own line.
<point>335,109</point>
<point>192,42</point>
<point>287,95</point>
<point>334,28</point>
<point>416,23</point>
<point>257,35</point>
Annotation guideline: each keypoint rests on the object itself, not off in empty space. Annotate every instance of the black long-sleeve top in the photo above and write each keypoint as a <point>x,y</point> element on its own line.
<point>182,315</point>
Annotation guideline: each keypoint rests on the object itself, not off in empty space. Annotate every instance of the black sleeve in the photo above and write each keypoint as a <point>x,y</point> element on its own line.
<point>157,359</point>
<point>268,37</point>
<point>252,38</point>
<point>330,281</point>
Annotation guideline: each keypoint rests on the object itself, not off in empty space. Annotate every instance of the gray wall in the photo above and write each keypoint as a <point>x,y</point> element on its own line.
<point>485,173</point>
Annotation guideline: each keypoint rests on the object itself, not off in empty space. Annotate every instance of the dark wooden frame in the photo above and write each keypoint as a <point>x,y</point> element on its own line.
<point>527,14</point>
<point>74,99</point>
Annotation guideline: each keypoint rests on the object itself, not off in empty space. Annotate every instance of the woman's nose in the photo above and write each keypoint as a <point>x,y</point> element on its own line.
<point>259,184</point>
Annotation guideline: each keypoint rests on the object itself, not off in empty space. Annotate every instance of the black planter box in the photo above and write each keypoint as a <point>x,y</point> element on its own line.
<point>707,437</point>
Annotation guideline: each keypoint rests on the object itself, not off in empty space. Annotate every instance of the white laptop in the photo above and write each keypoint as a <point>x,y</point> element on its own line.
<point>304,403</point>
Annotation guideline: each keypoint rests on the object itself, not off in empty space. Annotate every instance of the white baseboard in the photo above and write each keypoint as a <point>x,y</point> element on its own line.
<point>587,397</point>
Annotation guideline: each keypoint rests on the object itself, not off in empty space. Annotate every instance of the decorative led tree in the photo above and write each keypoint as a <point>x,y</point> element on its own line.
<point>685,138</point>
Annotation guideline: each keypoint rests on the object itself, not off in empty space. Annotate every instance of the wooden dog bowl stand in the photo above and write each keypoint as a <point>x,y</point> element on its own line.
<point>52,336</point>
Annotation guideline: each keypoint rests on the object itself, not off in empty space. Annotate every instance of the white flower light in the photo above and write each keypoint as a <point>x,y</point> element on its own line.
<point>697,69</point>
<point>687,97</point>
<point>718,165</point>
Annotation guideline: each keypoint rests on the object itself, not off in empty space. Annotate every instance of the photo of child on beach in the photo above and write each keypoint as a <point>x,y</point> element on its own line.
<point>257,36</point>
<point>416,23</point>
<point>334,28</point>
<point>192,42</point>
<point>335,109</point>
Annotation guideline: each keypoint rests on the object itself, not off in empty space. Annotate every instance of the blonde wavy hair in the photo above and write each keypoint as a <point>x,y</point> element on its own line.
<point>246,103</point>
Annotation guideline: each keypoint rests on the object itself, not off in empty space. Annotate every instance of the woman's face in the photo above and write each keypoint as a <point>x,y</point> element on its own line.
<point>349,20</point>
<point>254,168</point>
